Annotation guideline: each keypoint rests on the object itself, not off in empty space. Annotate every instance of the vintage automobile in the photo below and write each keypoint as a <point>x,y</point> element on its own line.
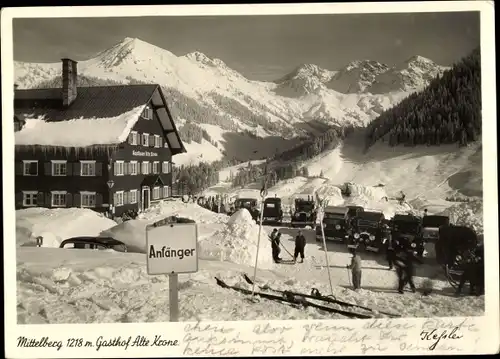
<point>250,204</point>
<point>353,211</point>
<point>334,224</point>
<point>304,213</point>
<point>430,227</point>
<point>406,232</point>
<point>367,231</point>
<point>98,243</point>
<point>456,245</point>
<point>273,211</point>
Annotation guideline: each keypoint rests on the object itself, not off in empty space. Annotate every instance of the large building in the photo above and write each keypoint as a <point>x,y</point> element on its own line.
<point>108,148</point>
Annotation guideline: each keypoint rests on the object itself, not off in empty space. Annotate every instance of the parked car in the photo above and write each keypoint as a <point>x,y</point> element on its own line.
<point>250,204</point>
<point>367,231</point>
<point>430,226</point>
<point>406,231</point>
<point>98,243</point>
<point>334,224</point>
<point>304,213</point>
<point>273,210</point>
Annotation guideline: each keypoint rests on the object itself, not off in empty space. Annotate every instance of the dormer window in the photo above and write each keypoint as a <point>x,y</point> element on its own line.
<point>147,113</point>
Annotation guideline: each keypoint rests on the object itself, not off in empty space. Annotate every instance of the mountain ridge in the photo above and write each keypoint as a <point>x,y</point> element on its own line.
<point>282,110</point>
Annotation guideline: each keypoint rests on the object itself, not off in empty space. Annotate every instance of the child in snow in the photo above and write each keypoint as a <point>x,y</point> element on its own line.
<point>300,244</point>
<point>355,267</point>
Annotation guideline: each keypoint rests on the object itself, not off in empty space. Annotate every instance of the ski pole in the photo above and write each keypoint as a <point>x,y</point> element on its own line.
<point>281,244</point>
<point>324,247</point>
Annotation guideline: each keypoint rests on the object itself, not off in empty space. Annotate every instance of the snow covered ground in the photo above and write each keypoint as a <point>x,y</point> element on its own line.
<point>85,286</point>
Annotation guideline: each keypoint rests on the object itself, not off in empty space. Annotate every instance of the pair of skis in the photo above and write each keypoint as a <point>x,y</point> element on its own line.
<point>295,301</point>
<point>300,299</point>
<point>316,295</point>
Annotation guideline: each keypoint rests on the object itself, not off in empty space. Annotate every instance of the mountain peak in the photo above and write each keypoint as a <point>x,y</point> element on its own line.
<point>418,58</point>
<point>202,58</point>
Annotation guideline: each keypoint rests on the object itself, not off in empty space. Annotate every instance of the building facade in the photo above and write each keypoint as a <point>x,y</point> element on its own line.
<point>108,148</point>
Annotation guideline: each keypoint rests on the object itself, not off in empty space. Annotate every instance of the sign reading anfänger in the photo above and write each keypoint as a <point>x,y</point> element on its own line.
<point>172,248</point>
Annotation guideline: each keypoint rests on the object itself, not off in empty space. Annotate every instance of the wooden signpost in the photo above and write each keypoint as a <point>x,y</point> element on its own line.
<point>172,249</point>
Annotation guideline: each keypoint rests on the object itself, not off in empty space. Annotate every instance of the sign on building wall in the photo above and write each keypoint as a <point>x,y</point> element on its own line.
<point>144,154</point>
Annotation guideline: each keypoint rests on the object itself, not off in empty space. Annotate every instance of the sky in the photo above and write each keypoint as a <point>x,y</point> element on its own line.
<point>260,47</point>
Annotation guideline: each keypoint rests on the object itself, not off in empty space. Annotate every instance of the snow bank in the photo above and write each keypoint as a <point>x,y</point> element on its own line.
<point>78,132</point>
<point>188,210</point>
<point>237,242</point>
<point>468,214</point>
<point>132,233</point>
<point>55,225</point>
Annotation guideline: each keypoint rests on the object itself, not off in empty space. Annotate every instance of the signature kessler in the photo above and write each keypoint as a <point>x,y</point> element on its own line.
<point>435,330</point>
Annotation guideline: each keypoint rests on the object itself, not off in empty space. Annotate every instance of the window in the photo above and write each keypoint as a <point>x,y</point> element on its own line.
<point>133,167</point>
<point>166,191</point>
<point>30,198</point>
<point>88,199</point>
<point>166,167</point>
<point>147,113</point>
<point>156,167</point>
<point>119,168</point>
<point>59,168</point>
<point>133,196</point>
<point>145,170</point>
<point>58,198</point>
<point>157,141</point>
<point>156,192</point>
<point>119,198</point>
<point>145,139</point>
<point>30,168</point>
<point>87,168</point>
<point>132,138</point>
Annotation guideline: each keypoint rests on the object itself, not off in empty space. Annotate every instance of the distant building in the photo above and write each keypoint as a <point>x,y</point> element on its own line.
<point>108,148</point>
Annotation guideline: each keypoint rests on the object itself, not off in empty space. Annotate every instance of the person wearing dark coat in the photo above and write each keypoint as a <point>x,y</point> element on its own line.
<point>300,244</point>
<point>405,269</point>
<point>356,268</point>
<point>473,273</point>
<point>391,250</point>
<point>274,237</point>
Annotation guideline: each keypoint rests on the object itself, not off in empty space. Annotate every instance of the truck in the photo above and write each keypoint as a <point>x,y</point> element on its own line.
<point>304,213</point>
<point>334,224</point>
<point>367,231</point>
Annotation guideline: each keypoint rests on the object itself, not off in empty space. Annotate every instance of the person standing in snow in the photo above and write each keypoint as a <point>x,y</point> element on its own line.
<point>276,248</point>
<point>272,238</point>
<point>405,269</point>
<point>300,244</point>
<point>355,268</point>
<point>391,253</point>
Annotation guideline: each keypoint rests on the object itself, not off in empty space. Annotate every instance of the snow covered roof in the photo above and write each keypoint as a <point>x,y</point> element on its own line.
<point>102,115</point>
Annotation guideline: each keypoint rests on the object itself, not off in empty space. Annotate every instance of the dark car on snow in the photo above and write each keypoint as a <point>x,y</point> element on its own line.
<point>98,243</point>
<point>250,204</point>
<point>334,224</point>
<point>430,227</point>
<point>304,213</point>
<point>406,232</point>
<point>367,231</point>
<point>273,211</point>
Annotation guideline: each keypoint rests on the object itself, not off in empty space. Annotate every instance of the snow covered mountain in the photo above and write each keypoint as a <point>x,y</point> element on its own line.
<point>231,108</point>
<point>415,73</point>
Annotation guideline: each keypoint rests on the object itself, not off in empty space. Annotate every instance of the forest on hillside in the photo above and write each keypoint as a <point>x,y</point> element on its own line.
<point>82,81</point>
<point>447,111</point>
<point>287,164</point>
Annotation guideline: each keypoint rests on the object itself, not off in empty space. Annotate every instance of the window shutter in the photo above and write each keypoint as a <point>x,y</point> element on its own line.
<point>126,198</point>
<point>161,142</point>
<point>115,196</point>
<point>48,199</point>
<point>77,200</point>
<point>19,168</point>
<point>19,199</point>
<point>115,168</point>
<point>130,136</point>
<point>69,200</point>
<point>98,168</point>
<point>69,168</point>
<point>47,168</point>
<point>151,140</point>
<point>98,200</point>
<point>39,198</point>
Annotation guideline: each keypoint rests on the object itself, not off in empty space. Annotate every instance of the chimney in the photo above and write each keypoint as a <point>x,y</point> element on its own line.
<point>69,80</point>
